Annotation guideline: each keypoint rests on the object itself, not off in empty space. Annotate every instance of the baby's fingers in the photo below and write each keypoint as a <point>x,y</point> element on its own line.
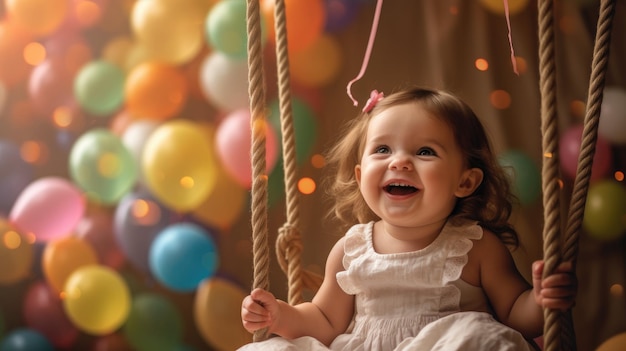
<point>250,308</point>
<point>558,297</point>
<point>253,315</point>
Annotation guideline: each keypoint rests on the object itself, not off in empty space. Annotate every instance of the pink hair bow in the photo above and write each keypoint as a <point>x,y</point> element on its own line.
<point>375,97</point>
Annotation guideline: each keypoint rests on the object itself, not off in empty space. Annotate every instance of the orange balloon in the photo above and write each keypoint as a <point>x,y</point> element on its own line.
<point>13,40</point>
<point>40,17</point>
<point>305,22</point>
<point>156,91</point>
<point>318,64</point>
<point>217,314</point>
<point>63,256</point>
<point>16,254</point>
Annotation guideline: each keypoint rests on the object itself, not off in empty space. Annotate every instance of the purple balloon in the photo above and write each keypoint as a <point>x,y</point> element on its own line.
<point>139,218</point>
<point>340,13</point>
<point>15,175</point>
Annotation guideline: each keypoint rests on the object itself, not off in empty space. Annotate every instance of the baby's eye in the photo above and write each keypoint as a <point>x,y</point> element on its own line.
<point>426,151</point>
<point>381,149</point>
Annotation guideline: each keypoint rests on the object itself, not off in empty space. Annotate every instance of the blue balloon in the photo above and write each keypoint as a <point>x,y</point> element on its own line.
<point>25,340</point>
<point>15,175</point>
<point>183,255</point>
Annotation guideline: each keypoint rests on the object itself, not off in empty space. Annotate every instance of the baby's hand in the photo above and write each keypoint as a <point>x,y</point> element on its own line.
<point>259,310</point>
<point>556,291</point>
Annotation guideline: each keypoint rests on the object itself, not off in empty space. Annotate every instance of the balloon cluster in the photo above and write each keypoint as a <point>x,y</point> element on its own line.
<point>151,180</point>
<point>606,197</point>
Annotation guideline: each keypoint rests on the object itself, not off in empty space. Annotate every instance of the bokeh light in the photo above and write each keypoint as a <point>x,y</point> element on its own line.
<point>481,64</point>
<point>306,186</point>
<point>500,99</point>
<point>34,53</point>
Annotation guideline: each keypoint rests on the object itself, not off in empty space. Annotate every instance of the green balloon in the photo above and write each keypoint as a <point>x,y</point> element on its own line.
<point>276,185</point>
<point>605,210</point>
<point>524,175</point>
<point>102,166</point>
<point>99,87</point>
<point>154,324</point>
<point>304,125</point>
<point>226,30</point>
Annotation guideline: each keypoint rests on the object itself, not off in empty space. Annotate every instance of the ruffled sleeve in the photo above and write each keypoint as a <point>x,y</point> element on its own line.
<point>460,243</point>
<point>355,246</point>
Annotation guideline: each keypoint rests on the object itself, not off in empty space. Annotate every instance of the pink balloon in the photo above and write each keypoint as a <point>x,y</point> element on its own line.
<point>50,85</point>
<point>49,208</point>
<point>233,143</point>
<point>569,146</point>
<point>43,311</point>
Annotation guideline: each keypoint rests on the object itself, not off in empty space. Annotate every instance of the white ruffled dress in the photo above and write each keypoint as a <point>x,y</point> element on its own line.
<point>412,300</point>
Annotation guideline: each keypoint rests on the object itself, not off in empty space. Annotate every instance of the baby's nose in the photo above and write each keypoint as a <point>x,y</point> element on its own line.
<point>402,163</point>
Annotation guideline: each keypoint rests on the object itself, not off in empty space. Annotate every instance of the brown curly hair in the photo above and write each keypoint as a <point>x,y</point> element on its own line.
<point>491,203</point>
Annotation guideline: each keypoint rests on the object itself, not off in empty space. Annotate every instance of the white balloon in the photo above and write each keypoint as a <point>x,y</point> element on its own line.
<point>135,137</point>
<point>224,82</point>
<point>612,125</point>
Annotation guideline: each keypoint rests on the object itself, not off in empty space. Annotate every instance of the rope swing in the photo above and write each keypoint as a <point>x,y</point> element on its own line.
<point>558,327</point>
<point>288,243</point>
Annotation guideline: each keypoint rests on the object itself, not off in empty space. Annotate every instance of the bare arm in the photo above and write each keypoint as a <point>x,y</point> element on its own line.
<point>327,316</point>
<point>514,301</point>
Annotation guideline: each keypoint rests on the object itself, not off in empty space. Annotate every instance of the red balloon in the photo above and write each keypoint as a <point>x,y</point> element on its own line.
<point>569,146</point>
<point>111,342</point>
<point>96,228</point>
<point>43,312</point>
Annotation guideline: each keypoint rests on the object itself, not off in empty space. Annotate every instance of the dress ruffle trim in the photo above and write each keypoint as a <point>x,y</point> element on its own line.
<point>459,243</point>
<point>355,246</point>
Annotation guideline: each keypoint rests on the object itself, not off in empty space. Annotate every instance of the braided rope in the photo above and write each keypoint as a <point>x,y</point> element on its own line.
<point>587,149</point>
<point>559,329</point>
<point>288,243</point>
<point>550,167</point>
<point>260,246</point>
<point>590,128</point>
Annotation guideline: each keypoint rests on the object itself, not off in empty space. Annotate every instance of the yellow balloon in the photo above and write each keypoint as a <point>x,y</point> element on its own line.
<point>217,313</point>
<point>117,50</point>
<point>224,204</point>
<point>615,343</point>
<point>171,31</point>
<point>497,6</point>
<point>179,164</point>
<point>16,254</point>
<point>318,64</point>
<point>61,257</point>
<point>96,300</point>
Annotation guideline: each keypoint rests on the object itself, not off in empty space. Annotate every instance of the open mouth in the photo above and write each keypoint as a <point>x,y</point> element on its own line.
<point>400,189</point>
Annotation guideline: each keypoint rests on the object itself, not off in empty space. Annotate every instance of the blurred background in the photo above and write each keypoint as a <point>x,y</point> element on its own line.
<point>125,153</point>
